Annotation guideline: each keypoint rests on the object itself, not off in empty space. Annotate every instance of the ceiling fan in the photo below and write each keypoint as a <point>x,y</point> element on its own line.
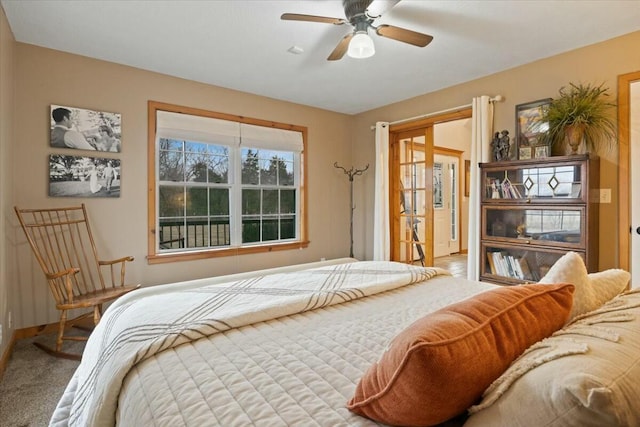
<point>359,44</point>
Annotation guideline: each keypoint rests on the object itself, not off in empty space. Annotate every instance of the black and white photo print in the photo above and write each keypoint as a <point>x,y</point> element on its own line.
<point>85,129</point>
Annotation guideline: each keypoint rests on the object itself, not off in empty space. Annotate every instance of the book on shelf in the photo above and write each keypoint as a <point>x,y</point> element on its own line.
<point>502,263</point>
<point>505,189</point>
<point>492,266</point>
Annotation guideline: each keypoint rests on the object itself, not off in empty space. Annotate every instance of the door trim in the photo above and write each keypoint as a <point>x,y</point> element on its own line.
<point>445,151</point>
<point>424,125</point>
<point>624,138</point>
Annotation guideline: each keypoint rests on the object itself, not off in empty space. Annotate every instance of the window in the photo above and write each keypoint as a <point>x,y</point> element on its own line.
<point>223,185</point>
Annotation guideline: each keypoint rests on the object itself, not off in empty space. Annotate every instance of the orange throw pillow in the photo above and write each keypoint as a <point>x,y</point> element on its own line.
<point>440,364</point>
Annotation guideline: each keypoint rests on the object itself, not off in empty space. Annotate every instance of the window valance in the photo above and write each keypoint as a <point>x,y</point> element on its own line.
<point>226,132</point>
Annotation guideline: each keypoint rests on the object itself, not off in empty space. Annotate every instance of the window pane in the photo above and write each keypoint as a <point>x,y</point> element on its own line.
<point>250,202</point>
<point>286,156</point>
<point>219,150</point>
<point>219,169</point>
<point>196,167</point>
<point>268,172</point>
<point>171,166</point>
<point>171,232</point>
<point>195,147</point>
<point>171,144</point>
<point>268,154</point>
<point>250,167</point>
<point>197,232</point>
<point>197,202</point>
<point>171,201</point>
<point>269,201</point>
<point>288,227</point>
<point>218,201</point>
<point>250,229</point>
<point>287,201</point>
<point>220,231</point>
<point>269,229</point>
<point>285,173</point>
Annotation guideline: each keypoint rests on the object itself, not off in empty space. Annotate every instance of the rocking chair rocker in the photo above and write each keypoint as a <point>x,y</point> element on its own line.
<point>63,245</point>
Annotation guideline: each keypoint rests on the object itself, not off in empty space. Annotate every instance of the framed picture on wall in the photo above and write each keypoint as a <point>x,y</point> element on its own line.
<point>76,176</point>
<point>529,127</point>
<point>83,129</point>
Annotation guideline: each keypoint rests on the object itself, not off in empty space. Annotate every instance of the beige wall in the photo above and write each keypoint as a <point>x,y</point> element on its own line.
<point>601,62</point>
<point>7,43</point>
<point>44,77</point>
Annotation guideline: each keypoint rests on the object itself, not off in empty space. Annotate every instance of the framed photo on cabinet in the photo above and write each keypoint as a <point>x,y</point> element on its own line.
<point>529,127</point>
<point>524,152</point>
<point>541,151</point>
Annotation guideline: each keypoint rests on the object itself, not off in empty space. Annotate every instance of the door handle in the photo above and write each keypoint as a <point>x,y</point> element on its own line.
<point>638,230</point>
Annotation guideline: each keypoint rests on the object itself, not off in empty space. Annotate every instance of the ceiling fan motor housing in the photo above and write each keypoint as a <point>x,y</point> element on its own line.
<point>353,8</point>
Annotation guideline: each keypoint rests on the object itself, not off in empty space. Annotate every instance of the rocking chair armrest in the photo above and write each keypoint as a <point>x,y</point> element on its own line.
<point>67,272</point>
<point>117,261</point>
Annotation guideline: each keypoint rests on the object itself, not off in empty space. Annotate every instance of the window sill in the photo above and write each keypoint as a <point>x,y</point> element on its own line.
<point>216,253</point>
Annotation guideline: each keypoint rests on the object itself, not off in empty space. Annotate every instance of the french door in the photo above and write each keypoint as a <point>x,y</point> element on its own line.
<point>411,183</point>
<point>411,198</point>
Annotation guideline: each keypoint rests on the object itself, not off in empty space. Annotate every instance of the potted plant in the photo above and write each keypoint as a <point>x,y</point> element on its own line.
<point>581,113</point>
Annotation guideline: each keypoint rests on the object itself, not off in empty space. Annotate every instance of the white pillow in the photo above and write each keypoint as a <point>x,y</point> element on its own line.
<point>592,290</point>
<point>586,374</point>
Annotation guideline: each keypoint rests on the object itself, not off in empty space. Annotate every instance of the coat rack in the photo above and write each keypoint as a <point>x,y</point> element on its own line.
<point>351,173</point>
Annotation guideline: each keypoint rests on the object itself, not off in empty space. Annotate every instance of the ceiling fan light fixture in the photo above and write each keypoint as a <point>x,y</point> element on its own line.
<point>361,46</point>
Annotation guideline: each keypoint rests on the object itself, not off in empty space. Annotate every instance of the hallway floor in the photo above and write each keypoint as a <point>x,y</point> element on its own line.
<point>455,263</point>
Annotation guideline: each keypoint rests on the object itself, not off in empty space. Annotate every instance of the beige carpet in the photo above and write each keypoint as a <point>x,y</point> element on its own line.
<point>33,383</point>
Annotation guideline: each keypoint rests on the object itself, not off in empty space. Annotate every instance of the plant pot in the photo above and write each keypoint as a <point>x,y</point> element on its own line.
<point>574,137</point>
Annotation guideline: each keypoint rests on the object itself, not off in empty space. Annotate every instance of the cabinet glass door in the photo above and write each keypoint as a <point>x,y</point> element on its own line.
<point>552,182</point>
<point>549,226</point>
<point>513,264</point>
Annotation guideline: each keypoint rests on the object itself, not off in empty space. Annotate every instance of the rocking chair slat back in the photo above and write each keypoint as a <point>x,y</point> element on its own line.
<point>61,239</point>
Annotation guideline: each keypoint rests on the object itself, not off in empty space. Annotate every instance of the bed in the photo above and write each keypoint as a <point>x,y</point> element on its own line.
<point>293,347</point>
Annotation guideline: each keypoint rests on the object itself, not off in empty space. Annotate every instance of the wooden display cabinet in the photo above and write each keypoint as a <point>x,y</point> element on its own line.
<point>533,212</point>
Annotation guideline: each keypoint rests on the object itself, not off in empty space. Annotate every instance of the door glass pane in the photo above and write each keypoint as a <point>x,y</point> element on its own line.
<point>412,197</point>
<point>438,202</point>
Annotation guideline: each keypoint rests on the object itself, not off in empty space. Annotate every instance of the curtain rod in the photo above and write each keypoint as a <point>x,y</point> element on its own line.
<point>497,98</point>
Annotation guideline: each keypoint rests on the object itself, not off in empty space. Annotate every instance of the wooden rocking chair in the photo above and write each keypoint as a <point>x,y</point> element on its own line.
<point>62,243</point>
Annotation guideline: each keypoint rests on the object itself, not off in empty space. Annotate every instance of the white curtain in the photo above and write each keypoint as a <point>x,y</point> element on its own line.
<point>481,134</point>
<point>381,228</point>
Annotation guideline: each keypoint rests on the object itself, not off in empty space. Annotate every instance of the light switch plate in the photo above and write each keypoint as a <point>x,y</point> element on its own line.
<point>605,195</point>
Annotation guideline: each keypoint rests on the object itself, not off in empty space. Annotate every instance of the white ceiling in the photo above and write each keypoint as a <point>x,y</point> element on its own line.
<point>243,45</point>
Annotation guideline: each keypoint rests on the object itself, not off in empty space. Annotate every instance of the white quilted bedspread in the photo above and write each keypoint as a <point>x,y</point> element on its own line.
<point>237,368</point>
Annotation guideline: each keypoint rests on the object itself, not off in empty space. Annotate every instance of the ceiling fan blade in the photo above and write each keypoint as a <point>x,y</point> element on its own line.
<point>341,48</point>
<point>404,35</point>
<point>312,18</point>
